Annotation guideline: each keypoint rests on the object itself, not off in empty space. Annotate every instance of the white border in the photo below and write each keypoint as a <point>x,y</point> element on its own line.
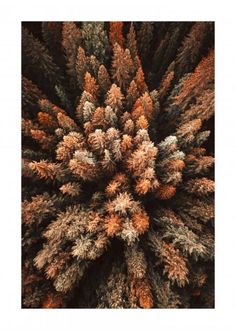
<point>12,13</point>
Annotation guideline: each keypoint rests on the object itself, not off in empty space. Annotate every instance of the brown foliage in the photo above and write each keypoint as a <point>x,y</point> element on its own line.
<point>143,107</point>
<point>98,119</point>
<point>45,140</point>
<point>131,42</point>
<point>140,81</point>
<point>103,78</point>
<point>196,83</point>
<point>81,66</point>
<point>68,145</point>
<point>115,98</point>
<point>142,123</point>
<point>90,85</point>
<point>112,224</point>
<point>66,122</point>
<point>84,97</point>
<point>46,120</point>
<point>122,66</point>
<point>51,108</point>
<point>52,301</point>
<point>140,222</point>
<point>175,267</point>
<point>132,94</point>
<point>200,186</point>
<point>165,84</point>
<point>143,186</point>
<point>37,209</point>
<point>165,191</point>
<point>71,188</point>
<point>115,33</point>
<point>44,169</point>
<point>144,294</point>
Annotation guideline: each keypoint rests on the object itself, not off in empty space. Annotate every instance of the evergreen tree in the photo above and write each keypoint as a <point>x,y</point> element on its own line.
<point>71,40</point>
<point>117,170</point>
<point>122,66</point>
<point>115,33</point>
<point>96,40</point>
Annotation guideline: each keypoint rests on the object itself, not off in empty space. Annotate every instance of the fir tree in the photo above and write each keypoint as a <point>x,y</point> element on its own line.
<point>122,66</point>
<point>96,40</point>
<point>115,33</point>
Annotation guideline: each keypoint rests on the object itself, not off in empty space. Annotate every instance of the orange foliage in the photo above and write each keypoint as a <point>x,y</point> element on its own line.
<point>197,82</point>
<point>115,33</point>
<point>126,143</point>
<point>200,186</point>
<point>129,127</point>
<point>165,191</point>
<point>113,187</point>
<point>57,265</point>
<point>143,186</point>
<point>83,166</point>
<point>112,224</point>
<point>47,106</point>
<point>132,293</point>
<point>52,301</point>
<point>118,182</point>
<point>165,84</point>
<point>98,120</point>
<point>132,94</point>
<point>144,294</point>
<point>199,151</point>
<point>122,66</point>
<point>140,81</point>
<point>175,165</point>
<point>115,98</point>
<point>88,127</point>
<point>142,122</point>
<point>70,143</point>
<point>46,141</point>
<point>26,126</point>
<point>203,108</point>
<point>103,78</point>
<point>90,85</point>
<point>81,66</point>
<point>46,120</point>
<point>44,169</point>
<point>140,221</point>
<point>71,188</point>
<point>143,106</point>
<point>131,41</point>
<point>66,122</point>
<point>175,267</point>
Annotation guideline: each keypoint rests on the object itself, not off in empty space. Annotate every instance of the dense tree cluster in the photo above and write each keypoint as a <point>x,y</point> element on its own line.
<point>117,165</point>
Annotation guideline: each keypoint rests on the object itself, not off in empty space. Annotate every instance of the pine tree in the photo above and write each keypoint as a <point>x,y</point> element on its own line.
<point>118,170</point>
<point>31,94</point>
<point>189,53</point>
<point>81,66</point>
<point>131,42</point>
<point>52,35</point>
<point>122,66</point>
<point>90,85</point>
<point>132,94</point>
<point>115,33</point>
<point>140,81</point>
<point>71,40</point>
<point>145,35</point>
<point>37,63</point>
<point>96,40</point>
<point>103,79</point>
